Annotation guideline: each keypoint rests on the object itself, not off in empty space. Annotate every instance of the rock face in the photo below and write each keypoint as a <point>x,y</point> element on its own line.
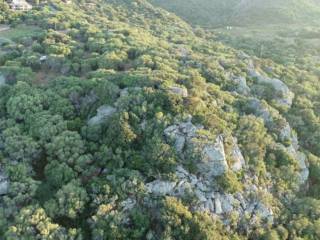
<point>260,110</point>
<point>183,92</point>
<point>238,160</point>
<point>210,199</point>
<point>211,156</point>
<point>213,161</point>
<point>103,113</point>
<point>283,94</point>
<point>4,183</point>
<point>241,85</point>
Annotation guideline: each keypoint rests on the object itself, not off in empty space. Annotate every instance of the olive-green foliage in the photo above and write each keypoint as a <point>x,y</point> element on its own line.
<point>72,180</point>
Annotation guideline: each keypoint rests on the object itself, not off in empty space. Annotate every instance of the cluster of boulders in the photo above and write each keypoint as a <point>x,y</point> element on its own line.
<point>210,199</point>
<point>211,156</point>
<point>211,162</point>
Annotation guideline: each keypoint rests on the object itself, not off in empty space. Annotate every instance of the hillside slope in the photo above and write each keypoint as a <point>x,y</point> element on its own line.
<point>245,12</point>
<point>119,121</point>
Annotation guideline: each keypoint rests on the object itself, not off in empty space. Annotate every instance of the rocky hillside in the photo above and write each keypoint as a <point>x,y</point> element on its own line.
<point>119,121</point>
<point>215,13</point>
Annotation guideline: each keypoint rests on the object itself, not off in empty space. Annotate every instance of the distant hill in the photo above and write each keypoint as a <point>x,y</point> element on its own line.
<point>243,12</point>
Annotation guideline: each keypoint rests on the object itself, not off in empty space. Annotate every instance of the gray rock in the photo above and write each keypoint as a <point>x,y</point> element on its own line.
<point>241,85</point>
<point>227,201</point>
<point>2,80</point>
<point>159,187</point>
<point>217,206</point>
<point>4,183</point>
<point>237,157</point>
<point>285,96</point>
<point>183,92</point>
<point>180,133</point>
<point>213,161</point>
<point>103,113</point>
<point>261,110</point>
<point>304,170</point>
<point>128,204</point>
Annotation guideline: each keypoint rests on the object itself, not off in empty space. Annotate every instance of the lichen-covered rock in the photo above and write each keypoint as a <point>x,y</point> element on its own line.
<point>103,113</point>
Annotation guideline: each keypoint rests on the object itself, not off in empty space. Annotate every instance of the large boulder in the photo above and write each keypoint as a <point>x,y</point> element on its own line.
<point>211,159</point>
<point>103,113</point>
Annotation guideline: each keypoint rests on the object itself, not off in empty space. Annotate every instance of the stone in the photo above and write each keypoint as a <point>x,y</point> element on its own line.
<point>179,133</point>
<point>217,206</point>
<point>128,204</point>
<point>4,183</point>
<point>159,187</point>
<point>237,157</point>
<point>103,113</point>
<point>304,170</point>
<point>209,204</point>
<point>213,161</point>
<point>227,203</point>
<point>2,80</point>
<point>241,85</point>
<point>285,96</point>
<point>183,92</point>
<point>283,93</point>
<point>261,110</point>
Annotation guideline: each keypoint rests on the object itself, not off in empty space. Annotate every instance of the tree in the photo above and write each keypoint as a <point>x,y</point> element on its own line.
<point>69,201</point>
<point>66,148</point>
<point>44,126</point>
<point>20,148</point>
